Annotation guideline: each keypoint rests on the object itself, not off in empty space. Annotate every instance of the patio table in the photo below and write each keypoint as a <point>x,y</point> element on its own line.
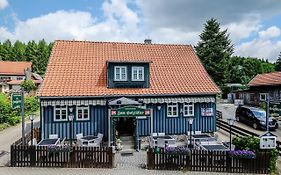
<point>46,142</point>
<point>87,139</point>
<point>217,147</point>
<point>168,140</point>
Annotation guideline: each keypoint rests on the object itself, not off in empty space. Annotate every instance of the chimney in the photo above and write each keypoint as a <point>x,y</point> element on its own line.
<point>147,41</point>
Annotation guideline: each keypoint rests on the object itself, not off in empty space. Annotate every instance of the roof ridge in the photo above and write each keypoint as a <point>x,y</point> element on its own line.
<point>120,42</point>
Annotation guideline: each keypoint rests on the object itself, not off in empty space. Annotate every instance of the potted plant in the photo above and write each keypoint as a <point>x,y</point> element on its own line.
<point>118,144</point>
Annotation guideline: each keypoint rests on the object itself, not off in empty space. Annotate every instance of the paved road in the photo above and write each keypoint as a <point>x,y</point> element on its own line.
<point>9,136</point>
<point>228,111</point>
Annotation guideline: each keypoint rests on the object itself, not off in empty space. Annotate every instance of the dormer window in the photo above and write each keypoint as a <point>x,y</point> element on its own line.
<point>138,73</point>
<point>120,73</point>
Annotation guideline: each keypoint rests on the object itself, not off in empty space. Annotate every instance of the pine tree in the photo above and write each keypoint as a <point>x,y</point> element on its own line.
<point>278,63</point>
<point>214,49</point>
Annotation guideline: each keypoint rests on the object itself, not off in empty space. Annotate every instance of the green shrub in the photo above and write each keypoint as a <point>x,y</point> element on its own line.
<point>28,85</point>
<point>247,143</point>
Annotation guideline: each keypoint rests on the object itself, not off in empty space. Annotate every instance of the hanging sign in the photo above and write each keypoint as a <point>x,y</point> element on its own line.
<point>267,141</point>
<point>131,111</point>
<point>207,112</point>
<point>16,100</point>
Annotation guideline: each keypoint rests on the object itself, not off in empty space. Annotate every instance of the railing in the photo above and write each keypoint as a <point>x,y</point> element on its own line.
<point>36,135</point>
<point>201,160</point>
<point>238,131</point>
<point>75,157</point>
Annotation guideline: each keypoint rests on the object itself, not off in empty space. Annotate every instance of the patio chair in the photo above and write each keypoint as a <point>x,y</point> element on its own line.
<point>154,134</point>
<point>161,143</point>
<point>53,136</point>
<point>34,142</point>
<point>100,135</point>
<point>161,134</point>
<point>96,143</point>
<point>79,136</point>
<point>197,132</point>
<point>63,141</point>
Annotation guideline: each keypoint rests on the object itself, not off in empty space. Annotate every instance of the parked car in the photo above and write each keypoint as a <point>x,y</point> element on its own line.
<point>255,117</point>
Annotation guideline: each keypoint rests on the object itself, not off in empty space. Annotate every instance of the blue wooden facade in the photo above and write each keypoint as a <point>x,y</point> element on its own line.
<point>98,121</point>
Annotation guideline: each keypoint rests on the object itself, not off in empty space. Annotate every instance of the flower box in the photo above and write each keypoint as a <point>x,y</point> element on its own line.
<point>242,154</point>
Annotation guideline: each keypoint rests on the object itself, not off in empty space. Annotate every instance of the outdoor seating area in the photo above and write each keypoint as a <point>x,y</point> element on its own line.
<point>198,141</point>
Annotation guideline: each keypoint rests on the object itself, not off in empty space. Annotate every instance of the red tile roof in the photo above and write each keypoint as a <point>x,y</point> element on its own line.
<point>78,68</point>
<point>13,67</point>
<point>267,79</point>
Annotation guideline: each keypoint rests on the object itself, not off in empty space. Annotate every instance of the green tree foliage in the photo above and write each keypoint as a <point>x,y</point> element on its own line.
<point>278,63</point>
<point>242,70</point>
<point>37,53</point>
<point>28,85</point>
<point>214,49</point>
<point>12,116</point>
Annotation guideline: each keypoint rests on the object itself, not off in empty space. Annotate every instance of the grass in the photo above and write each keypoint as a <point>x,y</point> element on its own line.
<point>4,126</point>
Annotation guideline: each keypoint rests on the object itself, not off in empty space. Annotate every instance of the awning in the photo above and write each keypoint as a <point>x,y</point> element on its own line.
<point>179,100</point>
<point>73,102</point>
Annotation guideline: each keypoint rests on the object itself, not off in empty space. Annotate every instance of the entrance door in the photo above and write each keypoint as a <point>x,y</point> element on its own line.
<point>125,126</point>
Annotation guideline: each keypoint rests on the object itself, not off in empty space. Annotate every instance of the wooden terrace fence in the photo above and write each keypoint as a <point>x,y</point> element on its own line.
<point>76,157</point>
<point>202,160</point>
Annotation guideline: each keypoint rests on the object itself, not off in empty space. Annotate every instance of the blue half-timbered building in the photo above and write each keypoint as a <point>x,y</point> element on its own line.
<point>125,89</point>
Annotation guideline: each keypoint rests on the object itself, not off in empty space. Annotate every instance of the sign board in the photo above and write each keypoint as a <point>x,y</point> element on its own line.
<point>16,100</point>
<point>275,109</point>
<point>207,112</point>
<point>268,141</point>
<point>130,111</point>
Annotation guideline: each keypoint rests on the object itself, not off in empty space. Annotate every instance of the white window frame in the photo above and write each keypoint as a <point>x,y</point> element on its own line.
<point>263,94</point>
<point>82,108</point>
<point>172,105</point>
<point>60,108</point>
<point>138,68</point>
<point>120,72</point>
<point>186,111</point>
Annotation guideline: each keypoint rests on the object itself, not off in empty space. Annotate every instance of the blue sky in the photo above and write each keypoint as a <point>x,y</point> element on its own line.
<point>254,25</point>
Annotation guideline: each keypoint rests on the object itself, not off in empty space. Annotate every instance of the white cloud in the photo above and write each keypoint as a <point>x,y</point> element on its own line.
<point>243,28</point>
<point>259,48</point>
<point>3,4</point>
<point>120,24</point>
<point>271,32</point>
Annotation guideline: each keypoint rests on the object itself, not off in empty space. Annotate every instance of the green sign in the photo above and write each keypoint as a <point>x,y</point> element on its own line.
<point>275,109</point>
<point>16,100</point>
<point>131,111</point>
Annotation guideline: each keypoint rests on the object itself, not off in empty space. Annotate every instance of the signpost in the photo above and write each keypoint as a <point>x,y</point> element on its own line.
<point>17,101</point>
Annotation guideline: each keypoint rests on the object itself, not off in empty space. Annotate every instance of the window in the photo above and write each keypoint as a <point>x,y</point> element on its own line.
<point>188,109</point>
<point>137,73</point>
<point>60,113</point>
<point>19,78</point>
<point>120,73</point>
<point>262,96</point>
<point>82,113</point>
<point>172,110</point>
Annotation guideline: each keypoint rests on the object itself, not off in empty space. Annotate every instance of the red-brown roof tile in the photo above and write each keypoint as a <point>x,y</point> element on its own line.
<point>13,67</point>
<point>267,79</point>
<point>78,68</point>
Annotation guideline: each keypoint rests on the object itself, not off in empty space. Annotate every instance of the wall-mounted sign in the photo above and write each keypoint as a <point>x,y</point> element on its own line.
<point>16,100</point>
<point>267,141</point>
<point>207,112</point>
<point>131,111</point>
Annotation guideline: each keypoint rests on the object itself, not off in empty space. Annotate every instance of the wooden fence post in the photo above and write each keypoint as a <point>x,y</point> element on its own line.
<point>111,156</point>
<point>12,156</point>
<point>32,152</point>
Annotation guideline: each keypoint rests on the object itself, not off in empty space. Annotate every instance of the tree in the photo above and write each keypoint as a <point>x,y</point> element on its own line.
<point>214,49</point>
<point>28,85</point>
<point>278,63</point>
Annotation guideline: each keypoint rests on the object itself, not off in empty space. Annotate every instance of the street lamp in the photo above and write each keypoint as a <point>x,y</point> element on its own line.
<point>70,118</point>
<point>190,121</point>
<point>31,118</point>
<point>230,123</point>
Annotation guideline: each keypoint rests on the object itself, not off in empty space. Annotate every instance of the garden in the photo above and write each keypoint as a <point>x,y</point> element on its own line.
<point>10,116</point>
